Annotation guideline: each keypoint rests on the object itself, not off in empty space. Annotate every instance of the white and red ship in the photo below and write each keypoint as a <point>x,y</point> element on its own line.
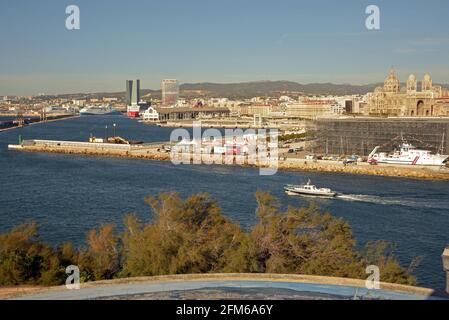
<point>133,111</point>
<point>408,155</point>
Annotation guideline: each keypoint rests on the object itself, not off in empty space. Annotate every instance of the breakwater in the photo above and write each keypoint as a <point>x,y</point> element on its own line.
<point>154,151</point>
<point>13,124</point>
<point>416,172</point>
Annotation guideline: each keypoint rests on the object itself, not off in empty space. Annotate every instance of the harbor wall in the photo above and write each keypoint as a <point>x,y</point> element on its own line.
<point>155,151</point>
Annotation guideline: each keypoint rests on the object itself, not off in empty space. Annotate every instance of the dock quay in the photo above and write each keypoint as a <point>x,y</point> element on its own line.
<point>233,123</point>
<point>155,151</point>
<point>150,150</point>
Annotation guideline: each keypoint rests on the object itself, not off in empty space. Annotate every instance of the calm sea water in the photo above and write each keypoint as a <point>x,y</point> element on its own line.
<point>70,194</point>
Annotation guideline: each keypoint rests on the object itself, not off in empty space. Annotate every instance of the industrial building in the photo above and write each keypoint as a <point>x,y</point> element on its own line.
<point>183,113</point>
<point>361,135</point>
<point>311,109</point>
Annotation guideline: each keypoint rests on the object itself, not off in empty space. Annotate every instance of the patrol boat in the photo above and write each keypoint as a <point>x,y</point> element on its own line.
<point>309,190</point>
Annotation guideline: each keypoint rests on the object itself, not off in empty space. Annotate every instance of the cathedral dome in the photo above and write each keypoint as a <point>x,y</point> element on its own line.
<point>391,83</point>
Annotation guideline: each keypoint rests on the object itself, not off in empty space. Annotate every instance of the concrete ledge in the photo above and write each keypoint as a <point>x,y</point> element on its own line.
<point>102,286</point>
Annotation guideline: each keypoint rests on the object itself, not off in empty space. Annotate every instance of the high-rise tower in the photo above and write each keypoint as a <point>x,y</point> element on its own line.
<point>133,98</point>
<point>170,92</point>
<point>129,88</point>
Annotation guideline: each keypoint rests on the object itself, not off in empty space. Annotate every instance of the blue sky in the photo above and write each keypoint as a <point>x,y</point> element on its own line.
<point>216,41</point>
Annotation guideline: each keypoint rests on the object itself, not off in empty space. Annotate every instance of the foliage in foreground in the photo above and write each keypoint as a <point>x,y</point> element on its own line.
<point>192,236</point>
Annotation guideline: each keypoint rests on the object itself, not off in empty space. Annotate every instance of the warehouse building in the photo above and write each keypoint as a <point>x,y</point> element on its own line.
<point>361,135</point>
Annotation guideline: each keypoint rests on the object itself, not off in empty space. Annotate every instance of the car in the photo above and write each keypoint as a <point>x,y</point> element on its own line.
<point>291,150</point>
<point>350,160</point>
<point>310,157</point>
<point>299,149</point>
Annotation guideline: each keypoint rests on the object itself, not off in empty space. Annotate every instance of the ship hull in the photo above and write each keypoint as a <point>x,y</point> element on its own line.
<point>133,114</point>
<point>414,162</point>
<point>297,192</point>
<point>432,160</point>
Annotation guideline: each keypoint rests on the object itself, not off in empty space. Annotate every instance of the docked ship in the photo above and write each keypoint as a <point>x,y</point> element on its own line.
<point>133,111</point>
<point>408,155</point>
<point>99,110</point>
<point>309,190</point>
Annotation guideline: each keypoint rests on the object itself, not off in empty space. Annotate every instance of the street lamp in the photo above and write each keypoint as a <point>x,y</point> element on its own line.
<point>106,133</point>
<point>114,129</point>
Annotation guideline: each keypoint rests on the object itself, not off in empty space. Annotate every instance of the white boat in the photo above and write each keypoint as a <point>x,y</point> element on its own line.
<point>309,190</point>
<point>408,155</point>
<point>99,110</point>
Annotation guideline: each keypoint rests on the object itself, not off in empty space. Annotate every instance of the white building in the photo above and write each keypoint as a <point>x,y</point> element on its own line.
<point>79,102</point>
<point>150,114</point>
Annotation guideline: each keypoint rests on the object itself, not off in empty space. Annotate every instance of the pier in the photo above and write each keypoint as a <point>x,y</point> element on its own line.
<point>149,150</point>
<point>156,151</point>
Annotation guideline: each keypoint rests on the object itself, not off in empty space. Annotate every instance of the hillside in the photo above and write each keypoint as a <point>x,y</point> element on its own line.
<point>247,90</point>
<point>274,88</point>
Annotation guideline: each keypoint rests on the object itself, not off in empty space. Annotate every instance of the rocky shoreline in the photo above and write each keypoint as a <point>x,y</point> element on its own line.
<point>284,164</point>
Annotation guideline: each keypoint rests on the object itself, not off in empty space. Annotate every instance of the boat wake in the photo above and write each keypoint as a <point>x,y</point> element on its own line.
<point>390,201</point>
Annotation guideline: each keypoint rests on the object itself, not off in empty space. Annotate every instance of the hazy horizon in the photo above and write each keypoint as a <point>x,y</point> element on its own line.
<point>203,41</point>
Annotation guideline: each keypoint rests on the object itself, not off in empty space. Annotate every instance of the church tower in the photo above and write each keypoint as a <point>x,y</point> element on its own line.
<point>412,84</point>
<point>426,84</point>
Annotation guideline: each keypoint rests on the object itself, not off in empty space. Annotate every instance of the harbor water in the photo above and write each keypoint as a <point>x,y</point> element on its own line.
<point>70,194</point>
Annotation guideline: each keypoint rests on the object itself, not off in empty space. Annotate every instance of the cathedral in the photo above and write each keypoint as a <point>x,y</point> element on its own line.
<point>413,100</point>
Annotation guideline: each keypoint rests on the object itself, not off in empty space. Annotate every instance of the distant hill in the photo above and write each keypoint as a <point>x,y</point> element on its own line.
<point>274,88</point>
<point>248,90</point>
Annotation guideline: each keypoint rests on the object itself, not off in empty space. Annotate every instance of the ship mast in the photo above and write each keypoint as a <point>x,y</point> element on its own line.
<point>441,150</point>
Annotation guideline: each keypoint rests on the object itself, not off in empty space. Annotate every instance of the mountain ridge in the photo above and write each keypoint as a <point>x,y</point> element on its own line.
<point>239,90</point>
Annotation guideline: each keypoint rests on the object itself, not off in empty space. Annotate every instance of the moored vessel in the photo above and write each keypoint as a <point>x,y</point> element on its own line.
<point>98,110</point>
<point>408,155</point>
<point>133,111</point>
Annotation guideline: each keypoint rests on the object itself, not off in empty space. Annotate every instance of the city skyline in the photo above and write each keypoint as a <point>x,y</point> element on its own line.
<point>195,42</point>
